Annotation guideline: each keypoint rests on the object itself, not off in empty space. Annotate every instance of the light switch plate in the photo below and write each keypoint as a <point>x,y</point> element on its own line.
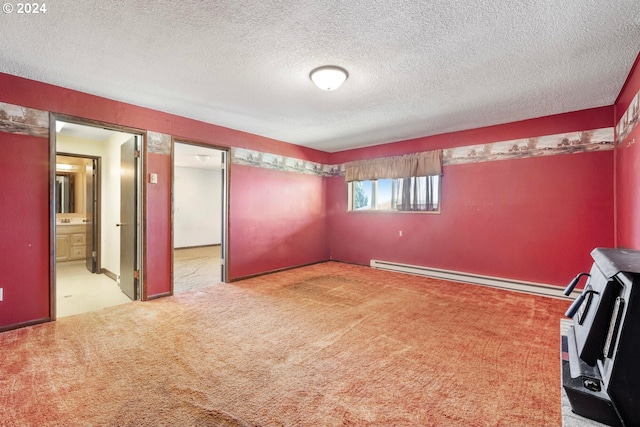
<point>153,178</point>
<point>1,296</point>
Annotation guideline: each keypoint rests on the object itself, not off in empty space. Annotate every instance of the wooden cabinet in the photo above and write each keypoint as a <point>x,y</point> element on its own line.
<point>62,247</point>
<point>70,242</point>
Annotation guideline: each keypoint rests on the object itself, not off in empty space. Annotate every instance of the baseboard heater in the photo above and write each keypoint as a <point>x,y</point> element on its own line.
<point>496,282</point>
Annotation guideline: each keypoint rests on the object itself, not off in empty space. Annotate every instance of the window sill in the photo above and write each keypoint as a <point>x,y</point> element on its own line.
<point>388,211</point>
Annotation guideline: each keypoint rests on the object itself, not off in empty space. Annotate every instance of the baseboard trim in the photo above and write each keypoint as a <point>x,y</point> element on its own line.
<point>251,276</point>
<point>160,295</point>
<point>24,324</point>
<point>476,279</point>
<point>110,275</point>
<point>198,246</point>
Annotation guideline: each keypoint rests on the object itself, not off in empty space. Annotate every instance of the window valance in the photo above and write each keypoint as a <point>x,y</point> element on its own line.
<point>417,164</point>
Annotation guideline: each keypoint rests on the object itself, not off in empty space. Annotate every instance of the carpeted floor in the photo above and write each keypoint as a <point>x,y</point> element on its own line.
<point>326,345</point>
<point>194,268</point>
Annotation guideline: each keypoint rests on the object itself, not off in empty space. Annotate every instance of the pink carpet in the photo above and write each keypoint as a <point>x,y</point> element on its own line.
<point>325,345</point>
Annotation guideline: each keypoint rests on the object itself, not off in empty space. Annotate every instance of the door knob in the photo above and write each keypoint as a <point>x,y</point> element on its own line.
<point>119,224</point>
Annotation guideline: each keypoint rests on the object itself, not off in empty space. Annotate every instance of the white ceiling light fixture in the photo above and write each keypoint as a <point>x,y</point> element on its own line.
<point>328,77</point>
<point>202,157</point>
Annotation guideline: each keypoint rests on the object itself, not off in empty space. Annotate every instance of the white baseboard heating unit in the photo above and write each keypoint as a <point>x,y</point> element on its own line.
<point>496,282</point>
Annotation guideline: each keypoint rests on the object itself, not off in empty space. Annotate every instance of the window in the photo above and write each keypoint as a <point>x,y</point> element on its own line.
<point>415,194</point>
<point>407,183</point>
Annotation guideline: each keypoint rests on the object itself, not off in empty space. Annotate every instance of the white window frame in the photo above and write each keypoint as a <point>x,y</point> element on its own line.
<point>374,199</point>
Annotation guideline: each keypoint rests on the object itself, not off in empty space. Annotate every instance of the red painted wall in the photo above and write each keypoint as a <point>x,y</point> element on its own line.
<point>29,93</point>
<point>550,125</point>
<point>24,228</point>
<point>534,219</point>
<point>278,220</point>
<point>27,268</point>
<point>627,171</point>
<point>158,262</point>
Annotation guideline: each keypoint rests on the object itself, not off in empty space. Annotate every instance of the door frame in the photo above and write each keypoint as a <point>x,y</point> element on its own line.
<point>98,195</point>
<point>224,234</point>
<point>141,207</point>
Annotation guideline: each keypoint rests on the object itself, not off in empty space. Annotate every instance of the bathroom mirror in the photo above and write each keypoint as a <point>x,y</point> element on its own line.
<point>71,185</point>
<point>65,191</point>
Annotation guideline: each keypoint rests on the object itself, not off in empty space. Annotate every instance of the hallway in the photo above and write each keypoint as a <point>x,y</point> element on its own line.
<point>195,267</point>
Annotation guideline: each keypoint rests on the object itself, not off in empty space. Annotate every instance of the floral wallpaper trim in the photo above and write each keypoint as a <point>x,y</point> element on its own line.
<point>628,121</point>
<point>29,121</point>
<point>158,143</point>
<point>243,156</point>
<point>563,143</point>
<point>23,120</point>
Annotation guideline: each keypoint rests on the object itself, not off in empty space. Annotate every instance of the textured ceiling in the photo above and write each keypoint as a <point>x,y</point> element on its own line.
<point>416,68</point>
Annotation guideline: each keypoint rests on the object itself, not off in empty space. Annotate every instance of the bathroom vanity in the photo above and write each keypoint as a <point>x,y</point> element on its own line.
<point>71,240</point>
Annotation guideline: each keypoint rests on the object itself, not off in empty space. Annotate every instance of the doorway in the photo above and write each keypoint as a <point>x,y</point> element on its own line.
<point>200,177</point>
<point>97,244</point>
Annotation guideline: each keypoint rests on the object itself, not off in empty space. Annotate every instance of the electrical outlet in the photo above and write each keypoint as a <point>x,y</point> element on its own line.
<point>1,294</point>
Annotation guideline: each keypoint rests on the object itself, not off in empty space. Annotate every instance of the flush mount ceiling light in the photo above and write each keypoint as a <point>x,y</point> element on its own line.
<point>328,77</point>
<point>202,157</point>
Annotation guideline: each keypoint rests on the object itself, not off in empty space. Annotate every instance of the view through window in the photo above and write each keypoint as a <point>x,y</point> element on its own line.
<point>415,194</point>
